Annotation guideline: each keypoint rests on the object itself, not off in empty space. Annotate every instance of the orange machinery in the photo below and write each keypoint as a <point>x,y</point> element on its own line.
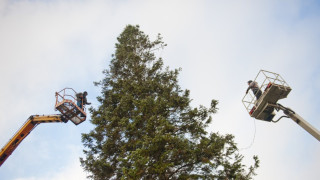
<point>66,103</point>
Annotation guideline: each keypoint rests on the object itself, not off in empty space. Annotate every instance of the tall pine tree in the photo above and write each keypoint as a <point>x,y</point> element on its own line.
<point>145,127</point>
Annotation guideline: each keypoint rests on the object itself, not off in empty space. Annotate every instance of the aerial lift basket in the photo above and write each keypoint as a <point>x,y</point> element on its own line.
<point>66,103</point>
<point>273,88</point>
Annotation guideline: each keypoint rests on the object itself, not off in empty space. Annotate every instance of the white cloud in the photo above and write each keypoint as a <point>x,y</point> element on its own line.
<point>72,170</point>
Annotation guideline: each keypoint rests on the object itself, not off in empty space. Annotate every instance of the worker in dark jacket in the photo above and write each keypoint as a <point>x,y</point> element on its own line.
<point>255,89</point>
<point>82,99</point>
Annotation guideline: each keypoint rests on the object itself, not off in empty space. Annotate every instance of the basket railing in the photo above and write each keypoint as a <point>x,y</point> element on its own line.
<point>263,78</point>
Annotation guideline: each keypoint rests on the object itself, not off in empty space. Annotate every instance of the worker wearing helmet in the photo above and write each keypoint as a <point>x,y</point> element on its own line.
<point>255,88</point>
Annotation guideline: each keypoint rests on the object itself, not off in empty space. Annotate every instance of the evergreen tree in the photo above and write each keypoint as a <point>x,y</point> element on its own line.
<point>145,127</point>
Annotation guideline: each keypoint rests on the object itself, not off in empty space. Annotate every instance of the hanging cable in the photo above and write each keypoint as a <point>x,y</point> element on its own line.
<point>279,119</point>
<point>284,109</point>
<point>254,136</point>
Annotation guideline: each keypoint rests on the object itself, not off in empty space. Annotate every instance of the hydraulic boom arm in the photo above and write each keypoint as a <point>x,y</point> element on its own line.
<point>299,120</point>
<point>69,108</point>
<point>27,127</point>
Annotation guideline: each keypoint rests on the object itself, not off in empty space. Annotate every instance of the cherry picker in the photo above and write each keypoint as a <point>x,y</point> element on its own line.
<point>273,88</point>
<point>66,103</point>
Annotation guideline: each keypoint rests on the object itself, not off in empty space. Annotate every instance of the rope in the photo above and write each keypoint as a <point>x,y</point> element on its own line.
<point>254,136</point>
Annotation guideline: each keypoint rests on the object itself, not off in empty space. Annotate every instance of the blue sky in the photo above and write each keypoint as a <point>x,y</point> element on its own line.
<point>49,45</point>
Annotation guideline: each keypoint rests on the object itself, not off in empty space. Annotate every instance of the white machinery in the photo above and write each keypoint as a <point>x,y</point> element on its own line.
<point>273,88</point>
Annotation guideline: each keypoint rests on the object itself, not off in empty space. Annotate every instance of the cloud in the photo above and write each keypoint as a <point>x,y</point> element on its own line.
<point>46,46</point>
<point>72,170</point>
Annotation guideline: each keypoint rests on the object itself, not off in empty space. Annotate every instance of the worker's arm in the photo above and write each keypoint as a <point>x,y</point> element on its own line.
<point>248,89</point>
<point>252,85</point>
<point>85,101</point>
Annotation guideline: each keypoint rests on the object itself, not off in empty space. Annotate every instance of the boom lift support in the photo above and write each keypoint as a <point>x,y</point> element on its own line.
<point>273,88</point>
<point>65,103</point>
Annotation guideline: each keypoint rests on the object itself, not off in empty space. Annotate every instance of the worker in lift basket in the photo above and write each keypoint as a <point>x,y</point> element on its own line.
<point>82,99</point>
<point>255,89</point>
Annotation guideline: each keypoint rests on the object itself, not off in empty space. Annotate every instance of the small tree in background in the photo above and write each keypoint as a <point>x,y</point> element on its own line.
<point>145,127</point>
